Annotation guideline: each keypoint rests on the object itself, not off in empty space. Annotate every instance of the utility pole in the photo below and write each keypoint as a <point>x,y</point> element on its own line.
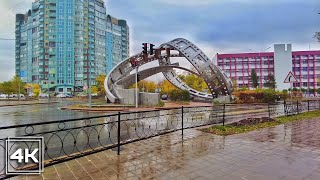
<point>48,91</point>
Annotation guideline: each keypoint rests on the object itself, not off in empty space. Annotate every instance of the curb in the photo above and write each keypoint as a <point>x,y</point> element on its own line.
<point>94,109</point>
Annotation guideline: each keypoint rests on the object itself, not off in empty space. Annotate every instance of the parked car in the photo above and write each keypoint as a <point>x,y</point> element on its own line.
<point>164,97</point>
<point>13,95</point>
<point>21,95</point>
<point>64,95</point>
<point>94,94</point>
<point>43,95</point>
<point>61,95</point>
<point>69,95</point>
<point>32,95</point>
<point>3,95</point>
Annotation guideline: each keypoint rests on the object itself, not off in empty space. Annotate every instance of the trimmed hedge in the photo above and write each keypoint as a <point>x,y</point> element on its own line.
<point>258,96</point>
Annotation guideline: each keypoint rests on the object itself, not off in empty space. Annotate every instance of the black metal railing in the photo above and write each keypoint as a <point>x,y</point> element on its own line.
<point>73,138</point>
<point>297,107</point>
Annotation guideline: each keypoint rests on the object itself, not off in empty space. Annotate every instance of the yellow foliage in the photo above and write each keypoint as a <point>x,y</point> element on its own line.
<point>166,87</point>
<point>149,86</point>
<point>194,82</point>
<point>100,84</point>
<point>94,90</point>
<point>36,89</point>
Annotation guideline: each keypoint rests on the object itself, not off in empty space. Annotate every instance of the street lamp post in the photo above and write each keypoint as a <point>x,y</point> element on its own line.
<point>18,88</point>
<point>137,92</point>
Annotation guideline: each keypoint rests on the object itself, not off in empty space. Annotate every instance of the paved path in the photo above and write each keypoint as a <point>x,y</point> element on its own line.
<point>290,151</point>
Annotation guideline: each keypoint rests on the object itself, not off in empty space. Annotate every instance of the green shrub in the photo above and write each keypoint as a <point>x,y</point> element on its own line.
<point>179,95</point>
<point>185,95</point>
<point>160,104</point>
<point>269,96</point>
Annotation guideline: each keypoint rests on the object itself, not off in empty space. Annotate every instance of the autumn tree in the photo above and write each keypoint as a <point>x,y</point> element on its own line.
<point>36,89</point>
<point>100,84</point>
<point>94,90</point>
<point>235,84</point>
<point>194,82</point>
<point>15,85</point>
<point>317,36</point>
<point>145,86</point>
<point>12,86</point>
<point>166,87</point>
<point>271,82</point>
<point>6,87</point>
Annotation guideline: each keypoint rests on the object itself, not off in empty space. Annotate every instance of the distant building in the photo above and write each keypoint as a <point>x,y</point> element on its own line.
<point>62,44</point>
<point>117,41</point>
<point>305,65</point>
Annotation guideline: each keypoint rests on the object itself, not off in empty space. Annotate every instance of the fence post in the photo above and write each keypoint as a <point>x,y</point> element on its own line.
<point>297,106</point>
<point>284,107</point>
<point>269,110</point>
<point>223,115</point>
<point>308,105</point>
<point>118,133</point>
<point>182,120</point>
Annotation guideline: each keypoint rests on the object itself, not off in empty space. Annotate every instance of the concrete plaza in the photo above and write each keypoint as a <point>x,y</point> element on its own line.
<point>290,151</point>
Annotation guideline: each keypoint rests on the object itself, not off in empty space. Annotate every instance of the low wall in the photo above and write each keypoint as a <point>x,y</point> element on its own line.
<point>128,96</point>
<point>223,99</point>
<point>150,99</point>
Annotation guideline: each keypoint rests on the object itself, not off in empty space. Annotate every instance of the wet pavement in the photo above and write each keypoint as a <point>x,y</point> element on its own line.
<point>290,151</point>
<point>26,114</point>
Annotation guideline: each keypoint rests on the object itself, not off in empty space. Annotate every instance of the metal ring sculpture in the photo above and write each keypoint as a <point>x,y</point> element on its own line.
<point>121,76</point>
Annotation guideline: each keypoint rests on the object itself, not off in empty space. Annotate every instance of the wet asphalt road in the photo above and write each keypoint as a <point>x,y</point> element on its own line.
<point>25,114</point>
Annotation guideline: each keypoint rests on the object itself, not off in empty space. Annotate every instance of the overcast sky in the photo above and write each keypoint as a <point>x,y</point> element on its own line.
<point>216,26</point>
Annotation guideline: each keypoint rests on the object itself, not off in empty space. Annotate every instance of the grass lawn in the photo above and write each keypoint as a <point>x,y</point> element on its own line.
<point>229,129</point>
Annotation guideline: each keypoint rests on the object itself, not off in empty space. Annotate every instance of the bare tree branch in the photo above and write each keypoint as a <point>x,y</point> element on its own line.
<point>317,36</point>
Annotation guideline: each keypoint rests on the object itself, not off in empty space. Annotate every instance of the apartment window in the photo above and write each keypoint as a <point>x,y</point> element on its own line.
<point>295,69</point>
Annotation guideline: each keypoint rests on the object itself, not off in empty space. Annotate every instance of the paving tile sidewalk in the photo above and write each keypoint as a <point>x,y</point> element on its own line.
<point>290,151</point>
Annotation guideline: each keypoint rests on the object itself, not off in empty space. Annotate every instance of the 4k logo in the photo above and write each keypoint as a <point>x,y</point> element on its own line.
<point>18,155</point>
<point>24,155</point>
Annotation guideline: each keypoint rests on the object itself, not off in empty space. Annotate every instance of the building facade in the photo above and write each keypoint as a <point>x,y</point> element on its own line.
<point>62,45</point>
<point>305,65</point>
<point>117,41</point>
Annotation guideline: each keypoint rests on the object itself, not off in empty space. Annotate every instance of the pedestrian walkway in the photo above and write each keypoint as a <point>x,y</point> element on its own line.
<point>290,151</point>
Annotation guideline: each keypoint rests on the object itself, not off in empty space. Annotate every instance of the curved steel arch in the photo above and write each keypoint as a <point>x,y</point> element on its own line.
<point>218,83</point>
